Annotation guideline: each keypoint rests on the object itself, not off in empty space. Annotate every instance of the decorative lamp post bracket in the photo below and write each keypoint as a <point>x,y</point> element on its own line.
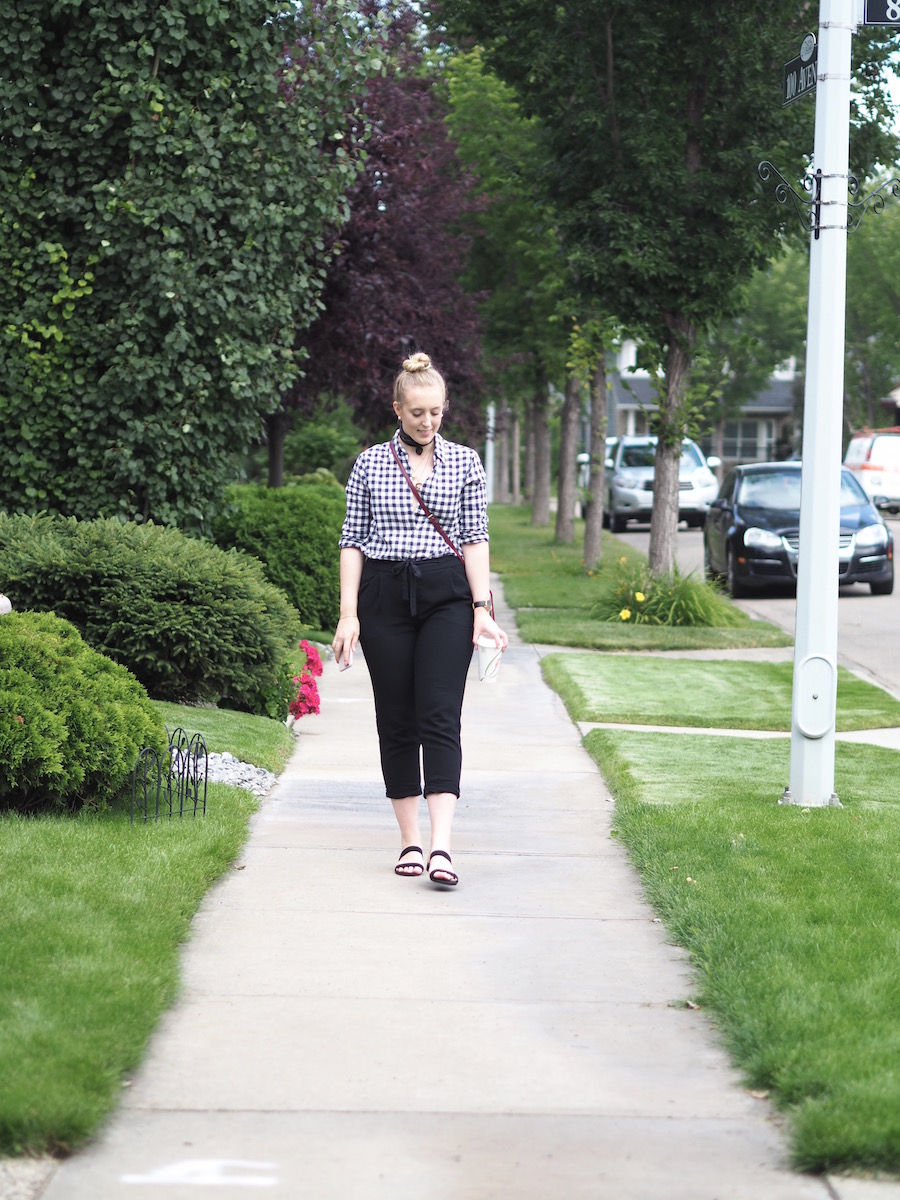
<point>809,207</point>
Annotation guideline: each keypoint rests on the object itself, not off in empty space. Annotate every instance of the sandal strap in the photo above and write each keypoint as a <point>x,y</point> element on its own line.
<point>409,850</point>
<point>443,854</point>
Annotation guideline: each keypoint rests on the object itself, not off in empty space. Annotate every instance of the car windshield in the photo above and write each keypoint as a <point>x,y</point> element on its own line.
<point>771,489</point>
<point>644,455</point>
<point>639,456</point>
<point>852,491</point>
<point>781,490</point>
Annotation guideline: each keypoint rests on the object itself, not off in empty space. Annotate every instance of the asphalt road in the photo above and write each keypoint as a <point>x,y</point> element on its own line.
<point>868,626</point>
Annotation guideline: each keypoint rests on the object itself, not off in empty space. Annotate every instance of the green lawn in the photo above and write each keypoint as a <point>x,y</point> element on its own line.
<point>256,740</point>
<point>717,694</point>
<point>94,911</point>
<point>556,599</point>
<point>792,919</point>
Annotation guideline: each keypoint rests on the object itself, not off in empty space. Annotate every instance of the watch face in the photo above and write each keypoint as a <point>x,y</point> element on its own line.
<point>807,47</point>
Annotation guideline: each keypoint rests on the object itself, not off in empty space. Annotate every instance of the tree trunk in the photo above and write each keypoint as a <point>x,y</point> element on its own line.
<point>516,451</point>
<point>278,426</point>
<point>670,423</point>
<point>528,473</point>
<point>566,481</point>
<point>593,526</point>
<point>540,496</point>
<point>719,447</point>
<point>501,462</point>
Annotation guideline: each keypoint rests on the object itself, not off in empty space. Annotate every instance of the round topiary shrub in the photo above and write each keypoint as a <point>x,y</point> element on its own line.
<point>294,531</point>
<point>72,722</point>
<point>193,622</point>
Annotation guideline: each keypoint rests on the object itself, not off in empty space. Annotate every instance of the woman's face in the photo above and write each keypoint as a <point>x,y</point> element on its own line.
<point>421,411</point>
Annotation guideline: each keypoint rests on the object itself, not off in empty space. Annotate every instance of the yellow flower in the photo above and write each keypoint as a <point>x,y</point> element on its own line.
<point>623,559</point>
<point>640,597</point>
<point>625,614</point>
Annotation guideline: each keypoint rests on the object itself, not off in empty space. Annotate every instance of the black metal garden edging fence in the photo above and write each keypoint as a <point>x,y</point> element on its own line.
<point>172,784</point>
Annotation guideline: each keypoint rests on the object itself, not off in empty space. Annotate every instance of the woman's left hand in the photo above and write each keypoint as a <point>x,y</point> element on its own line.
<point>486,626</point>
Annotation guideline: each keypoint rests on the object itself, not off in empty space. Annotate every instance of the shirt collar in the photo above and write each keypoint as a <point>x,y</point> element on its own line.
<point>439,444</point>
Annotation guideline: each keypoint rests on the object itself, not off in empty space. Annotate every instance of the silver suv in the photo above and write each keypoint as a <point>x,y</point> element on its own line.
<point>630,466</point>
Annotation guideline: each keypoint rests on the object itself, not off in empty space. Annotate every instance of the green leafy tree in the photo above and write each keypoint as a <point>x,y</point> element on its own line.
<point>167,170</point>
<point>517,267</point>
<point>873,318</point>
<point>735,359</point>
<point>652,133</point>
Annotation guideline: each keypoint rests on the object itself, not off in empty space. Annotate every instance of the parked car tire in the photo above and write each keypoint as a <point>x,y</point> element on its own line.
<point>735,588</point>
<point>617,523</point>
<point>883,589</point>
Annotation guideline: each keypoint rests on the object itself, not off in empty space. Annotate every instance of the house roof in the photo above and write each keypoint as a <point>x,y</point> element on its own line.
<point>636,391</point>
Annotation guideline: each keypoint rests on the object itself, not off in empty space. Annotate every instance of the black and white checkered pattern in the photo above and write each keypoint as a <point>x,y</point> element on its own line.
<point>385,520</point>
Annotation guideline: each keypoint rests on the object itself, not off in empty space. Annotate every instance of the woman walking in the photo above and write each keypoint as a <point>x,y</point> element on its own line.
<point>415,594</point>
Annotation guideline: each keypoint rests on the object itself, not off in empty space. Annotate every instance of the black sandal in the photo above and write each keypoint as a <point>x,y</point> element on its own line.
<point>433,875</point>
<point>415,869</point>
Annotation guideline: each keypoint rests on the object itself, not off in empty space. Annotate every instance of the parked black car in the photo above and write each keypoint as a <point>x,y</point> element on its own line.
<point>752,531</point>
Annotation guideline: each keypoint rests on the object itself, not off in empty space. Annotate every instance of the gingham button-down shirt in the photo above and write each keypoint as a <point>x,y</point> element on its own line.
<point>385,520</point>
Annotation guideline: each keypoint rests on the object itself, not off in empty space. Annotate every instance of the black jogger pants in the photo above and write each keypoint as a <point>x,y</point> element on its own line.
<point>415,619</point>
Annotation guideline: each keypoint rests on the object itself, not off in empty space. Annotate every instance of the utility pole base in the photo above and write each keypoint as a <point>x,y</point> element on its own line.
<point>788,798</point>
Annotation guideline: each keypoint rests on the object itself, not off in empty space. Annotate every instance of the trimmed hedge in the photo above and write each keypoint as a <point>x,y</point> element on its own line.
<point>294,531</point>
<point>72,722</point>
<point>194,623</point>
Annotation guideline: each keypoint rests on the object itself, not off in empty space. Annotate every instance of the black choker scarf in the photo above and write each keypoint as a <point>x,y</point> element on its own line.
<point>408,441</point>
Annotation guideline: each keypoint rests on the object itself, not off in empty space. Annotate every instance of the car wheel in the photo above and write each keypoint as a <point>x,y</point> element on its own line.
<point>734,585</point>
<point>617,523</point>
<point>885,588</point>
<point>695,521</point>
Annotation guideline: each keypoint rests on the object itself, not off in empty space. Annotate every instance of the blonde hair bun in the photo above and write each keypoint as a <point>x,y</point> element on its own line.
<point>418,362</point>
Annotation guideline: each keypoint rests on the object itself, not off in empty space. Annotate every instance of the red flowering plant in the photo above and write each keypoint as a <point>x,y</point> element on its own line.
<point>306,698</point>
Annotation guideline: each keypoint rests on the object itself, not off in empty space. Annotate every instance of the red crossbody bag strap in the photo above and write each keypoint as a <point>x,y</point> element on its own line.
<point>428,513</point>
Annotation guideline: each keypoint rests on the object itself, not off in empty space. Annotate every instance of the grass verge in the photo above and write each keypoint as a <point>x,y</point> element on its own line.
<point>708,694</point>
<point>257,740</point>
<point>557,600</point>
<point>94,913</point>
<point>790,917</point>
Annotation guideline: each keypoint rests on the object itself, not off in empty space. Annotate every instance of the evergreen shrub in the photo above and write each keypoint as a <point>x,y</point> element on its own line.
<point>72,722</point>
<point>294,531</point>
<point>193,622</point>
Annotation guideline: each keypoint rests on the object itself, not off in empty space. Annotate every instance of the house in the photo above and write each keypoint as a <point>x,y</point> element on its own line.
<point>763,431</point>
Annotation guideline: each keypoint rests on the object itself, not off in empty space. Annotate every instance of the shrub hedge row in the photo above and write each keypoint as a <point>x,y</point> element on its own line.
<point>193,622</point>
<point>72,722</point>
<point>294,531</point>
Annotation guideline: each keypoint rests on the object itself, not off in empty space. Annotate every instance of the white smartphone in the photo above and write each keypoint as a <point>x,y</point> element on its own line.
<point>343,664</point>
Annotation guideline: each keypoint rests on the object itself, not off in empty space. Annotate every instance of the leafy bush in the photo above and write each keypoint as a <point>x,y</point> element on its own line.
<point>72,722</point>
<point>640,598</point>
<point>294,531</point>
<point>192,622</point>
<point>312,446</point>
<point>326,439</point>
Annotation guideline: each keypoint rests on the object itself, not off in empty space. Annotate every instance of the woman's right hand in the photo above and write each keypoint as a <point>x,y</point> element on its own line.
<point>345,639</point>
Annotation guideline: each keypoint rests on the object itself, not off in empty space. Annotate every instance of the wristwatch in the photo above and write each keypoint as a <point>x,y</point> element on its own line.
<point>481,604</point>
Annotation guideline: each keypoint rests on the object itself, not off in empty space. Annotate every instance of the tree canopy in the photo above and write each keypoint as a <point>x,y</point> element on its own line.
<point>652,131</point>
<point>393,285</point>
<point>168,171</point>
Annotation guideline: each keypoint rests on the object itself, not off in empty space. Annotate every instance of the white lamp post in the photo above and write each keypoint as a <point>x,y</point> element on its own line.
<point>815,643</point>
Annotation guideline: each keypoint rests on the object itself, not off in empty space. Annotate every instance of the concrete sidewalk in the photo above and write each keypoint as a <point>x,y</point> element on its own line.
<point>346,1034</point>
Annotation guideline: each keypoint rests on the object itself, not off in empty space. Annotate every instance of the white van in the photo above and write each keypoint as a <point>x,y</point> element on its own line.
<point>874,458</point>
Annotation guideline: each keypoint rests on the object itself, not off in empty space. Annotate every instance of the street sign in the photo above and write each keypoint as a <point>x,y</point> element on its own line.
<point>882,12</point>
<point>800,73</point>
